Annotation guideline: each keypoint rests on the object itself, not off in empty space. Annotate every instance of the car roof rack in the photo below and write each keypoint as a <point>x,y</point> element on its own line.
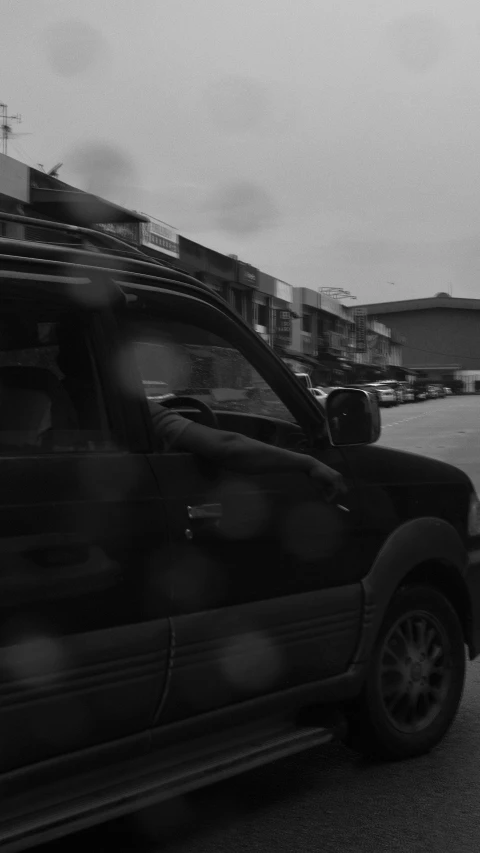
<point>99,239</point>
<point>98,243</point>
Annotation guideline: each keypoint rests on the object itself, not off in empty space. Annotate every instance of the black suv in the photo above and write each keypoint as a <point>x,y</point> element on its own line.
<point>166,624</point>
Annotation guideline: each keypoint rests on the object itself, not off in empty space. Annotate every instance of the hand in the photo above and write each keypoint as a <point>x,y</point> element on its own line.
<point>330,481</point>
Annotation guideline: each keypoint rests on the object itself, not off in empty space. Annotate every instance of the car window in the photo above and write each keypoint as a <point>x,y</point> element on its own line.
<point>183,359</point>
<point>49,394</point>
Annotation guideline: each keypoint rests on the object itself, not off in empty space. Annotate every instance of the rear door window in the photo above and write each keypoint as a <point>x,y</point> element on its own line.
<point>50,399</point>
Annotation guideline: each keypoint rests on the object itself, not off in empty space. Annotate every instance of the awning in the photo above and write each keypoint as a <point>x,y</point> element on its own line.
<point>328,363</point>
<point>444,368</point>
<point>79,208</point>
<point>297,356</point>
<point>404,370</point>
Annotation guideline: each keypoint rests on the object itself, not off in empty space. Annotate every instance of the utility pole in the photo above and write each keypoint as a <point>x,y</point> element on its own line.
<point>5,127</point>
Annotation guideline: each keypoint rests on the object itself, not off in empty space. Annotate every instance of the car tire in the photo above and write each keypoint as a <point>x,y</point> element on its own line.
<point>430,691</point>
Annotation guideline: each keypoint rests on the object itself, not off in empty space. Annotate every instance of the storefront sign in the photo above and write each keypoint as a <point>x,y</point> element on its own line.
<point>247,274</point>
<point>157,235</point>
<point>360,317</point>
<point>14,179</point>
<point>123,230</point>
<point>283,328</point>
<point>283,291</point>
<point>210,280</point>
<point>335,341</point>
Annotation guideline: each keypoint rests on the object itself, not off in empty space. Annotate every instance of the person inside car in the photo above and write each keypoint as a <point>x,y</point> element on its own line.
<point>239,453</point>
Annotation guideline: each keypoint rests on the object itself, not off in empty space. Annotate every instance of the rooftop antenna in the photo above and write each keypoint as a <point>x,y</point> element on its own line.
<point>336,292</point>
<point>6,129</point>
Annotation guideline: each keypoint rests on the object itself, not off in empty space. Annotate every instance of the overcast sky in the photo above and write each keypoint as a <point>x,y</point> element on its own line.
<point>329,144</point>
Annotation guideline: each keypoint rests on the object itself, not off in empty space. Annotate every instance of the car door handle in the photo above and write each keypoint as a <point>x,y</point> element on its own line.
<point>205,511</point>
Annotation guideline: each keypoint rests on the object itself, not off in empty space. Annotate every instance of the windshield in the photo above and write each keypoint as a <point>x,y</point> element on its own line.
<point>181,359</point>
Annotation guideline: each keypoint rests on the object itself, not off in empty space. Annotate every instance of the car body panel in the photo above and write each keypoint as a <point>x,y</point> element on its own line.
<point>78,533</point>
<point>395,487</point>
<point>227,656</point>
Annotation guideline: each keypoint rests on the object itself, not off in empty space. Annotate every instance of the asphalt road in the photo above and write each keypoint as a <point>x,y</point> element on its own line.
<point>330,799</point>
<point>446,429</point>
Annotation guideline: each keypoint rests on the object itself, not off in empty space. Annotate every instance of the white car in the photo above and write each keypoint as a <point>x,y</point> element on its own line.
<point>386,395</point>
<point>448,392</point>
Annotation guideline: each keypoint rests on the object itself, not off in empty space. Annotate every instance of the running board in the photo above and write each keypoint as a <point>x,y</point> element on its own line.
<point>101,796</point>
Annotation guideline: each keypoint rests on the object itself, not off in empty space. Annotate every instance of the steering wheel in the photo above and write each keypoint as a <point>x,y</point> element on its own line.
<point>180,402</point>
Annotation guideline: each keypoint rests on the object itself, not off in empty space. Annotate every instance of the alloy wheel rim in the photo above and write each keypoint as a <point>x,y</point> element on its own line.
<point>415,671</point>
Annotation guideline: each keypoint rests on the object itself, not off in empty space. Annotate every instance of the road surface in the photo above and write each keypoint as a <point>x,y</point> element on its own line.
<point>330,799</point>
<point>446,429</point>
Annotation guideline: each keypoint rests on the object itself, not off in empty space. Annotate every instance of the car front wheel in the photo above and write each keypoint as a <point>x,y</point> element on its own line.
<point>415,679</point>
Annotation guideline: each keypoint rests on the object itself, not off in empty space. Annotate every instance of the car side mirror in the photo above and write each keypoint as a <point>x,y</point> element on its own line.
<point>353,417</point>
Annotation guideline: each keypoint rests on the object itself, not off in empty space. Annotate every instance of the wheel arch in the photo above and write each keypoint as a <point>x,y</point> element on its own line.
<point>421,550</point>
<point>448,580</point>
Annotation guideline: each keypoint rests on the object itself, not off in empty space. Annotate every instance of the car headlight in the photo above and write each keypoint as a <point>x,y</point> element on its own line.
<point>474,516</point>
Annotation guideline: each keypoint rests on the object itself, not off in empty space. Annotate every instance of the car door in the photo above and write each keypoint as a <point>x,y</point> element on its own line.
<point>82,655</point>
<point>265,574</point>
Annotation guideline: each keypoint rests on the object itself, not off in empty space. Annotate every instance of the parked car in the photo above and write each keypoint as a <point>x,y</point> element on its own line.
<point>432,392</point>
<point>166,624</point>
<point>420,393</point>
<point>448,392</point>
<point>371,389</point>
<point>440,391</point>
<point>395,386</point>
<point>387,396</point>
<point>408,394</point>
<point>305,380</point>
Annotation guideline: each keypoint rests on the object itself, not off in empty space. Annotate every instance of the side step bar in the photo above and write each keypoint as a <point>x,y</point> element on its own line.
<point>95,798</point>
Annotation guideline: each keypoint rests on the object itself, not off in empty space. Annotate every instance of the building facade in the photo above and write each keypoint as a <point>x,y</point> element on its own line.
<point>348,346</point>
<point>30,192</point>
<point>441,336</point>
<point>273,312</point>
<point>309,329</point>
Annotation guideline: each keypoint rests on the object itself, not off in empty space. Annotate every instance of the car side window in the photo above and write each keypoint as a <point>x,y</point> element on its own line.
<point>49,393</point>
<point>187,360</point>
